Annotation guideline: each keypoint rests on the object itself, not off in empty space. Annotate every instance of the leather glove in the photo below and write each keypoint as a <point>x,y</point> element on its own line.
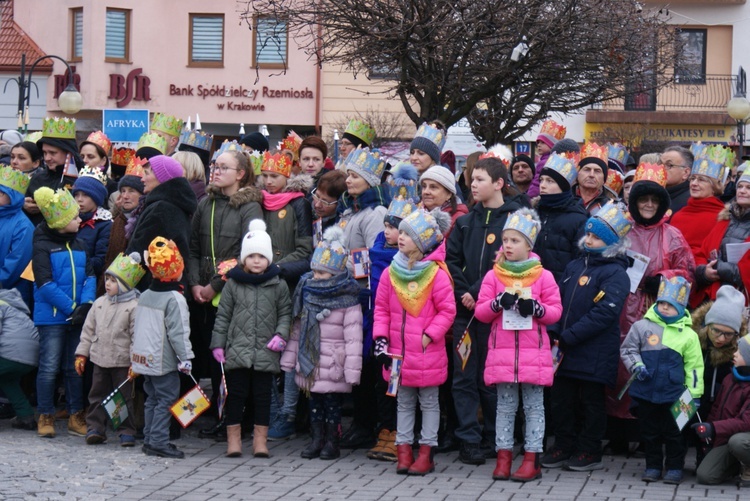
<point>532,307</point>
<point>381,352</point>
<point>651,285</point>
<point>704,430</point>
<point>80,364</point>
<point>79,314</point>
<point>219,355</point>
<point>641,373</point>
<point>504,301</point>
<point>185,367</point>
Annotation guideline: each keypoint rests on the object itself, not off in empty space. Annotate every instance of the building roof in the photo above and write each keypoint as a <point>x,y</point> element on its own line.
<point>14,42</point>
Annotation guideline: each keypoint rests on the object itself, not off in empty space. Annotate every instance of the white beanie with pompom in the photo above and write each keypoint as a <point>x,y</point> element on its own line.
<point>257,241</point>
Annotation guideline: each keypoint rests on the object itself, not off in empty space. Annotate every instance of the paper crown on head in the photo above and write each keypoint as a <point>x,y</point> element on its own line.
<point>164,260</point>
<point>330,254</point>
<point>197,139</point>
<point>277,162</point>
<point>433,134</point>
<point>362,130</point>
<point>651,172</point>
<point>33,137</point>
<point>614,181</point>
<point>58,207</point>
<point>551,132</point>
<point>291,145</point>
<point>227,145</point>
<point>403,182</point>
<point>592,152</point>
<point>14,179</point>
<point>674,290</point>
<point>713,161</point>
<point>698,149</point>
<point>255,158</point>
<point>167,124</point>
<point>563,165</point>
<point>423,228</point>
<point>127,269</point>
<point>617,153</point>
<point>152,140</point>
<point>95,173</point>
<point>501,152</point>
<point>59,128</point>
<point>100,139</point>
<point>135,166</point>
<point>399,209</point>
<point>122,156</point>
<point>526,222</point>
<point>367,164</point>
<point>615,217</point>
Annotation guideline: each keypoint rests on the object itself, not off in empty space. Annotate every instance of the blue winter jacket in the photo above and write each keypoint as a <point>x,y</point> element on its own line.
<point>16,234</point>
<point>593,290</point>
<point>63,277</point>
<point>381,256</point>
<point>94,233</point>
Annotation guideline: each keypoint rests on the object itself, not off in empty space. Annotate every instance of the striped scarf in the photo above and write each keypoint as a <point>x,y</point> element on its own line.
<point>518,274</point>
<point>413,286</point>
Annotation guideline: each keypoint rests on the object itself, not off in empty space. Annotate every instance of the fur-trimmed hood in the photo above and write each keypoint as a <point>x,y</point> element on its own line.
<point>732,209</point>
<point>241,197</point>
<point>616,249</point>
<point>718,356</point>
<point>303,183</point>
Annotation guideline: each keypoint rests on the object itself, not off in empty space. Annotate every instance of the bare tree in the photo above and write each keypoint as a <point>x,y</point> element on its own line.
<point>388,126</point>
<point>449,59</point>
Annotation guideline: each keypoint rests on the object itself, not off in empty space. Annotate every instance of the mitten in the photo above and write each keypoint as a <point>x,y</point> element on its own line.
<point>79,314</point>
<point>218,354</point>
<point>185,367</point>
<point>641,373</point>
<point>381,352</point>
<point>528,307</point>
<point>504,301</point>
<point>705,431</point>
<point>80,364</point>
<point>131,373</point>
<point>276,343</point>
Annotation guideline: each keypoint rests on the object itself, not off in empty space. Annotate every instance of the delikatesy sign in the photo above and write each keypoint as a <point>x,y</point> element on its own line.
<point>125,126</point>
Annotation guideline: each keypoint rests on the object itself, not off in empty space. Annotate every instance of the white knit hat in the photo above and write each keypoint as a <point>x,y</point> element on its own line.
<point>441,175</point>
<point>257,241</point>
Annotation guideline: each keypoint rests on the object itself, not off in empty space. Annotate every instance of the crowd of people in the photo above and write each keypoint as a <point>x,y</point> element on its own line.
<point>583,297</point>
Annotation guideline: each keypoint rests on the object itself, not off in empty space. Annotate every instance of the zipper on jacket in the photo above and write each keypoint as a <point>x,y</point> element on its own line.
<point>72,269</point>
<point>403,341</point>
<point>515,371</point>
<point>567,310</point>
<point>494,336</point>
<point>539,330</point>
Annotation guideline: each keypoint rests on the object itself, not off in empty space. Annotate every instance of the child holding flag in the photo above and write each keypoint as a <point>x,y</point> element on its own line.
<point>664,353</point>
<point>105,340</point>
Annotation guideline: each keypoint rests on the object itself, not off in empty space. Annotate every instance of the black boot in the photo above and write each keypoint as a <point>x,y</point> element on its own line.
<point>331,448</point>
<point>218,432</point>
<point>316,442</point>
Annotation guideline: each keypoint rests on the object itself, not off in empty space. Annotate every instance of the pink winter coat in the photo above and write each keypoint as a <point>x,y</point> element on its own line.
<point>421,367</point>
<point>519,356</point>
<point>340,352</point>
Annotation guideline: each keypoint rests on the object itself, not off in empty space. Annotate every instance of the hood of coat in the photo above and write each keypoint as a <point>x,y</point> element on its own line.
<point>302,183</point>
<point>176,191</point>
<point>14,299</point>
<point>241,197</point>
<point>438,254</point>
<point>717,356</point>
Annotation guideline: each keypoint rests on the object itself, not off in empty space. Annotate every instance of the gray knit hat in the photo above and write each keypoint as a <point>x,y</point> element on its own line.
<point>743,346</point>
<point>441,175</point>
<point>566,145</point>
<point>727,309</point>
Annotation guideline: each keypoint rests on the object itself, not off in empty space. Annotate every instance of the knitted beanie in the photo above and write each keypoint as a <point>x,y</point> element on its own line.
<point>256,141</point>
<point>566,145</point>
<point>165,168</point>
<point>135,182</point>
<point>743,346</point>
<point>257,241</point>
<point>727,309</point>
<point>430,140</point>
<point>525,159</point>
<point>92,187</point>
<point>442,176</point>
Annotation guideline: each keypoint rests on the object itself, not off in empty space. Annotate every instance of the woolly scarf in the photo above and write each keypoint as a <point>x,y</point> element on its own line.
<point>313,301</point>
<point>132,217</point>
<point>518,274</point>
<point>555,200</point>
<point>371,197</point>
<point>413,286</point>
<point>275,201</point>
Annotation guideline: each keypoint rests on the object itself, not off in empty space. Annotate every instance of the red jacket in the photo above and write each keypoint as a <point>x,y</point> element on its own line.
<point>696,219</point>
<point>730,413</point>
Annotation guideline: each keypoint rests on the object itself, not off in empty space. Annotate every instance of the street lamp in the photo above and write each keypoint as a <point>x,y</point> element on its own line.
<point>70,99</point>
<point>739,109</point>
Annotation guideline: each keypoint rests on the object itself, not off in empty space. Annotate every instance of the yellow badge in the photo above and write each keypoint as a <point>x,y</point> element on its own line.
<point>412,286</point>
<point>282,213</point>
<point>583,280</point>
<point>653,340</point>
<point>491,238</point>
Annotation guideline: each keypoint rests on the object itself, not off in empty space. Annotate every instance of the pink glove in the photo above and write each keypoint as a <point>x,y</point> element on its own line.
<point>276,343</point>
<point>219,355</point>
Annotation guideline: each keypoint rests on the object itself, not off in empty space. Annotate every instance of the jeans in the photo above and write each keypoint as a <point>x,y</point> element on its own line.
<point>57,351</point>
<point>429,403</point>
<point>569,398</point>
<point>723,462</point>
<point>288,407</point>
<point>469,390</point>
<point>162,392</point>
<point>658,428</point>
<point>533,409</point>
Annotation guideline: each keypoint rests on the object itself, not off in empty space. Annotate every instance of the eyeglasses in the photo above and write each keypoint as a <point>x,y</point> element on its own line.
<point>670,165</point>
<point>317,199</point>
<point>223,168</point>
<point>700,179</point>
<point>722,333</point>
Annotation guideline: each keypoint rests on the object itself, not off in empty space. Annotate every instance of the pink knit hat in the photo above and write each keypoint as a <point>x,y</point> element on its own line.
<point>165,168</point>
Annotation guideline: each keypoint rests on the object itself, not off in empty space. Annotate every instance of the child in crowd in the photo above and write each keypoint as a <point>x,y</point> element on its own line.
<point>64,288</point>
<point>664,352</point>
<point>16,232</point>
<point>519,359</point>
<point>470,254</point>
<point>414,308</point>
<point>593,291</point>
<point>326,344</point>
<point>105,340</point>
<point>251,329</point>
<point>161,343</point>
<point>90,191</point>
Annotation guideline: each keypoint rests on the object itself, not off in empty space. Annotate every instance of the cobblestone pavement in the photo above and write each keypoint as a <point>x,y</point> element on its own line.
<point>65,468</point>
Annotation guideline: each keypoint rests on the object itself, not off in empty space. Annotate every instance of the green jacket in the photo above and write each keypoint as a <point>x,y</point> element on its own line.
<point>248,317</point>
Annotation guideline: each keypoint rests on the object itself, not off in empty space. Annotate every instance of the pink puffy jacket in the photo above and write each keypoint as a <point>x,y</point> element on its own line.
<point>340,352</point>
<point>421,367</point>
<point>519,356</point>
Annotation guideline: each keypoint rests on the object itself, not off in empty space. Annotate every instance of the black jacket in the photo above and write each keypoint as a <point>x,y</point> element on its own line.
<point>472,248</point>
<point>562,228</point>
<point>678,194</point>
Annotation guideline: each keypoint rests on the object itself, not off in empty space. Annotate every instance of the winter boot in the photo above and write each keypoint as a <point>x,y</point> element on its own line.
<point>331,447</point>
<point>234,441</point>
<point>405,458</point>
<point>530,469</point>
<point>317,441</point>
<point>424,463</point>
<point>502,467</point>
<point>260,435</point>
<point>744,475</point>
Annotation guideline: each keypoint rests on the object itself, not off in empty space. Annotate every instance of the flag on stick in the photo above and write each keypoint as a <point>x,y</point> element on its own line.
<point>116,406</point>
<point>190,406</point>
<point>222,400</point>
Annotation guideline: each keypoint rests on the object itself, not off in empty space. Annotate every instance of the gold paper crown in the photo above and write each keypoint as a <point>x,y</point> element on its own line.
<point>554,129</point>
<point>593,150</point>
<point>122,156</point>
<point>164,260</point>
<point>101,140</point>
<point>651,172</point>
<point>59,128</point>
<point>94,172</point>
<point>14,179</point>
<point>278,162</point>
<point>614,181</point>
<point>135,166</point>
<point>291,143</point>
<point>152,140</point>
<point>167,124</point>
<point>33,137</point>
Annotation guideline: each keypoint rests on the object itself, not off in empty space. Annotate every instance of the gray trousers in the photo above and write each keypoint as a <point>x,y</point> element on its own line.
<point>533,409</point>
<point>407,411</point>
<point>161,392</point>
<point>723,462</point>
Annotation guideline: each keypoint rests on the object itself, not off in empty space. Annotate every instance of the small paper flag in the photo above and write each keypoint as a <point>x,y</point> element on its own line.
<point>116,407</point>
<point>190,406</point>
<point>223,393</point>
<point>684,409</point>
<point>464,348</point>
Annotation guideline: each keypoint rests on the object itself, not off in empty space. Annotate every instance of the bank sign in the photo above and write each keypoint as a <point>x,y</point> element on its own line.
<point>126,126</point>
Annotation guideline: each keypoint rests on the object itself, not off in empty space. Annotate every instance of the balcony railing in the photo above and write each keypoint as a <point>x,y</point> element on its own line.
<point>709,95</point>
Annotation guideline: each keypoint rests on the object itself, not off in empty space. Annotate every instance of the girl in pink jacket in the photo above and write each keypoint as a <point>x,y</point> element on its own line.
<point>519,298</point>
<point>414,308</point>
